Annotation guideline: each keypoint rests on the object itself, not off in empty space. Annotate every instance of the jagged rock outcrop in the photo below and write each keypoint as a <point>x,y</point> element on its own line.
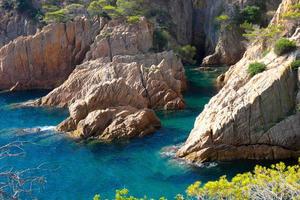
<point>222,45</point>
<point>46,59</point>
<point>229,48</point>
<point>113,124</point>
<point>179,19</point>
<point>120,38</point>
<point>99,94</point>
<point>251,117</point>
<point>13,25</point>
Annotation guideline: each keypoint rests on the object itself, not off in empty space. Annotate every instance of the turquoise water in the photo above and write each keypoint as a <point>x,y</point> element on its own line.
<point>78,171</point>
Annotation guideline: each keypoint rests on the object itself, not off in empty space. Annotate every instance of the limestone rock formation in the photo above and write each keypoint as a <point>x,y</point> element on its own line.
<point>120,38</point>
<point>222,46</point>
<point>106,99</point>
<point>251,117</point>
<point>13,25</point>
<point>229,48</point>
<point>45,60</point>
<point>113,124</point>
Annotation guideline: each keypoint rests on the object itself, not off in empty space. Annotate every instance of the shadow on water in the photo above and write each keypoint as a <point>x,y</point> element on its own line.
<point>141,165</point>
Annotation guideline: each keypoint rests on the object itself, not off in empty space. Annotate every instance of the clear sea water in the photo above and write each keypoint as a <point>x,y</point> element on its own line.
<point>77,171</point>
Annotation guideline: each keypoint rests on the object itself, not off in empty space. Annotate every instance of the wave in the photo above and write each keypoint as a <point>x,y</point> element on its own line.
<point>38,129</point>
<point>170,152</point>
<point>47,128</point>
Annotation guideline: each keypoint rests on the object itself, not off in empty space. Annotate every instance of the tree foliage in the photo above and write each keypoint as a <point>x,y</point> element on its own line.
<point>275,183</point>
<point>284,45</point>
<point>250,14</point>
<point>295,64</point>
<point>256,68</point>
<point>187,54</point>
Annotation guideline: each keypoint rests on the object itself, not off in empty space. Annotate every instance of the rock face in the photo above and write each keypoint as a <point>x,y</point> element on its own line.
<point>229,49</point>
<point>45,60</point>
<point>222,46</point>
<point>180,14</point>
<point>113,124</point>
<point>13,25</point>
<point>108,100</point>
<point>119,39</point>
<point>251,117</point>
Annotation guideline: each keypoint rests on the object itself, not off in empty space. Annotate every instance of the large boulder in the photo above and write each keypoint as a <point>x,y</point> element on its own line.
<point>45,60</point>
<point>99,90</point>
<point>113,124</point>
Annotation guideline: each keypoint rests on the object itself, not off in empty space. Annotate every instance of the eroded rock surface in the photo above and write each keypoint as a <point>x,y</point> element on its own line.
<point>251,117</point>
<point>222,45</point>
<point>120,38</point>
<point>99,90</point>
<point>13,25</point>
<point>44,60</point>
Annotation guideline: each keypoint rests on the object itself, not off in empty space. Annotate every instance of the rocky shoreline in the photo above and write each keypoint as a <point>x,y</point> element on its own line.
<point>251,117</point>
<point>109,75</point>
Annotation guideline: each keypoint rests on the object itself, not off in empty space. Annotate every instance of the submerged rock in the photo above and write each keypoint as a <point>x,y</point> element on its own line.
<point>251,117</point>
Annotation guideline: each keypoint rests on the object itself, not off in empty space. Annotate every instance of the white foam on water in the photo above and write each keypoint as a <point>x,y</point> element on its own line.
<point>47,128</point>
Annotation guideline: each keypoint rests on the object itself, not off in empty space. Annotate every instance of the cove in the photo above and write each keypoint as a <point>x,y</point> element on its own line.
<point>80,170</point>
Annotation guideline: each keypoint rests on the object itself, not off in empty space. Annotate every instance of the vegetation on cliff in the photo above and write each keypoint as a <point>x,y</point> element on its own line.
<point>256,67</point>
<point>277,182</point>
<point>284,45</point>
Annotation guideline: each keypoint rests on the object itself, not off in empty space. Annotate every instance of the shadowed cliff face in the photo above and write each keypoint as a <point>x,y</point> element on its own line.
<point>13,25</point>
<point>252,117</point>
<point>181,16</point>
<point>221,46</point>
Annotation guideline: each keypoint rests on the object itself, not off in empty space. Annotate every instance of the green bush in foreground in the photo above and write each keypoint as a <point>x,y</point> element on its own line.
<point>295,64</point>
<point>277,182</point>
<point>255,68</point>
<point>284,45</point>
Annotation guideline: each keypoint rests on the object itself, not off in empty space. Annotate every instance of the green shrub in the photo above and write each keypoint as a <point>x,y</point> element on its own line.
<point>133,19</point>
<point>295,64</point>
<point>187,54</point>
<point>222,18</point>
<point>160,40</point>
<point>56,16</point>
<point>268,183</point>
<point>250,14</point>
<point>284,45</point>
<point>255,68</point>
<point>293,13</point>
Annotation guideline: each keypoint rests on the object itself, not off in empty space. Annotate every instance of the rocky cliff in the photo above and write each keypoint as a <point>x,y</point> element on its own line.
<point>120,38</point>
<point>13,25</point>
<point>109,100</point>
<point>180,17</point>
<point>111,94</point>
<point>222,45</point>
<point>251,117</point>
<point>46,59</point>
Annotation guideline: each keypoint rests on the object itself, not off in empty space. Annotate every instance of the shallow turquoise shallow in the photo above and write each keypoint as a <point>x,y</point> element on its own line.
<point>78,171</point>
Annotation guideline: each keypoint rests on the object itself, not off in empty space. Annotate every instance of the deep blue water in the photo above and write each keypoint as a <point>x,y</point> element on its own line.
<point>78,171</point>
